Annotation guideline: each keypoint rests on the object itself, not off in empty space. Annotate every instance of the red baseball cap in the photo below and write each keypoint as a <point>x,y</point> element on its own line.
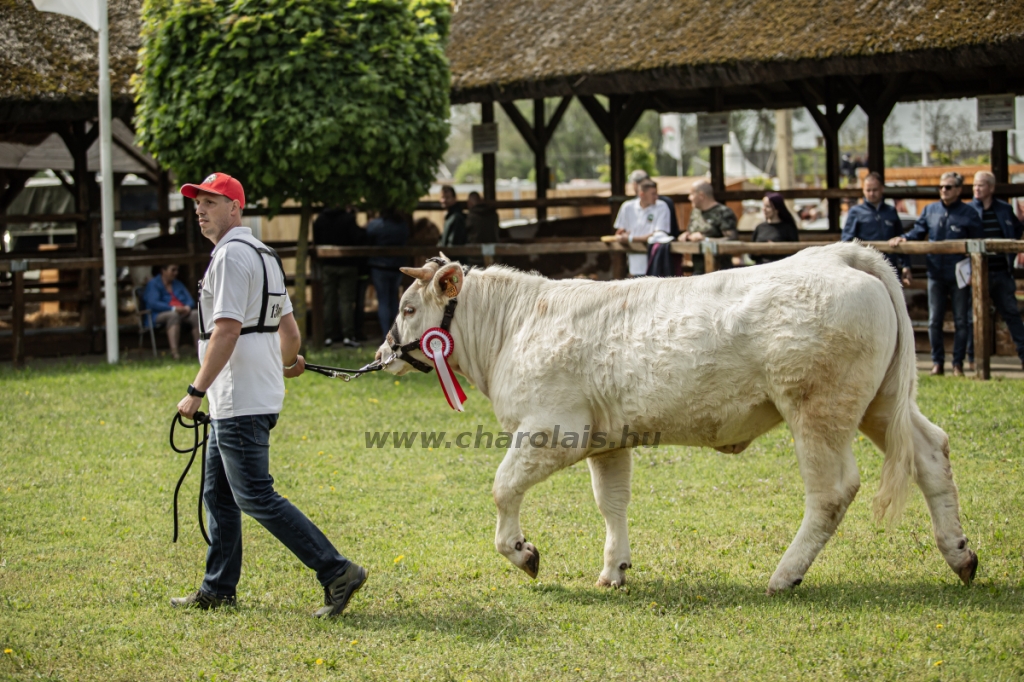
<point>217,183</point>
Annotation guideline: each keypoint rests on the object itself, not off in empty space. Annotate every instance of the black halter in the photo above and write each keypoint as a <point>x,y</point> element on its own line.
<point>401,350</point>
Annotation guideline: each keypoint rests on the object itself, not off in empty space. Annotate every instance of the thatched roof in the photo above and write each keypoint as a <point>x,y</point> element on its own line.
<point>505,49</point>
<point>49,62</point>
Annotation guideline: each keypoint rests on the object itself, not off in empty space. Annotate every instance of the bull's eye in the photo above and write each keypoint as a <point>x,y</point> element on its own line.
<point>408,310</point>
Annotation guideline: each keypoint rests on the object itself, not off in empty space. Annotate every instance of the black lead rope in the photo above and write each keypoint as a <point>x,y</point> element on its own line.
<point>197,419</point>
<point>343,373</point>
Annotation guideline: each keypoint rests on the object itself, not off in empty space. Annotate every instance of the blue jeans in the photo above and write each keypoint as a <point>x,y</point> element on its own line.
<point>386,283</point>
<point>938,291</point>
<point>238,479</point>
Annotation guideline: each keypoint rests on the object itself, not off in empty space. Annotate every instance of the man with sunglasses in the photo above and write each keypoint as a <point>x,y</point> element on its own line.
<point>941,221</point>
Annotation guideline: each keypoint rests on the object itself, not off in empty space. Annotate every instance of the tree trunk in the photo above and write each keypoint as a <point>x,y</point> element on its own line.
<point>301,250</point>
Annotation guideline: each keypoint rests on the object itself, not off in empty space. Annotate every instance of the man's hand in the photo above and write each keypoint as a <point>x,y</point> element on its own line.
<point>695,236</point>
<point>896,241</point>
<point>299,368</point>
<point>908,277</point>
<point>188,406</point>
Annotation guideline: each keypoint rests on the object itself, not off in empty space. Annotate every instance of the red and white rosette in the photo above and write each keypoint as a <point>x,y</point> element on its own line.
<point>437,345</point>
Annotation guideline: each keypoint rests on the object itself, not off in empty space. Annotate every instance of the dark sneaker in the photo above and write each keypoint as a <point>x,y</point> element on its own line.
<point>202,600</point>
<point>958,371</point>
<point>938,370</point>
<point>349,343</point>
<point>337,594</point>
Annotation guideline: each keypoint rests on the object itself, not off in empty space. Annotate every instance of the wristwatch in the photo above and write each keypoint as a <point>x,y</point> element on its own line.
<point>193,391</point>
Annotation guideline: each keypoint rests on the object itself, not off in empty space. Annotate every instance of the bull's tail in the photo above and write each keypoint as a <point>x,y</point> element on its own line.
<point>899,386</point>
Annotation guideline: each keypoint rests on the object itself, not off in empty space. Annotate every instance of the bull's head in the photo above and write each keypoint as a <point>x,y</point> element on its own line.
<point>422,307</point>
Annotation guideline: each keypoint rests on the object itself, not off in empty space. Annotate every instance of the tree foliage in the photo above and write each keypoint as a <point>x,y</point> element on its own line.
<point>334,101</point>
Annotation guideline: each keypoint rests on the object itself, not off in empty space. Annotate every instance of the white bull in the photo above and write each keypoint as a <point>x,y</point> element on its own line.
<point>821,340</point>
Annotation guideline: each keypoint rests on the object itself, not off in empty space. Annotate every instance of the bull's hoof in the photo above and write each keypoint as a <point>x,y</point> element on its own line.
<point>532,565</point>
<point>968,570</point>
<point>774,588</point>
<point>604,582</point>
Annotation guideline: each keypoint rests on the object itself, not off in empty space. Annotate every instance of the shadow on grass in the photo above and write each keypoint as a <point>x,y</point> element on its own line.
<point>711,593</point>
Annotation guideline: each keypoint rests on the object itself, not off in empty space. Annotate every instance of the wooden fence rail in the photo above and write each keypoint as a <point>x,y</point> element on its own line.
<point>976,250</point>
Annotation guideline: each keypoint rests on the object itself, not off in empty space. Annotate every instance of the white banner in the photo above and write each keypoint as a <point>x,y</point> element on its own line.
<point>84,10</point>
<point>672,136</point>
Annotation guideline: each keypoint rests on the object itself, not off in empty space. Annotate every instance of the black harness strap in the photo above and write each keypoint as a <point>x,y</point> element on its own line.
<point>402,351</point>
<point>261,326</point>
<point>198,418</point>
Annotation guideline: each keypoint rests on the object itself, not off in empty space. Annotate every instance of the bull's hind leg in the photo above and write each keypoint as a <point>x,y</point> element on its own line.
<point>935,478</point>
<point>831,481</point>
<point>611,474</point>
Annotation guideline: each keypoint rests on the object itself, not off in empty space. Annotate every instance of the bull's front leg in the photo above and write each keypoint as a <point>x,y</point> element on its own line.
<point>523,467</point>
<point>611,474</point>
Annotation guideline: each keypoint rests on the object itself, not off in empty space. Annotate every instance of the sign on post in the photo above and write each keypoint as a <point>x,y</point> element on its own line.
<point>997,112</point>
<point>485,138</point>
<point>713,129</point>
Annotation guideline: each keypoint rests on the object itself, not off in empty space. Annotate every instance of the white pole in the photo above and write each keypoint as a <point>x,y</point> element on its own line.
<point>107,190</point>
<point>924,142</point>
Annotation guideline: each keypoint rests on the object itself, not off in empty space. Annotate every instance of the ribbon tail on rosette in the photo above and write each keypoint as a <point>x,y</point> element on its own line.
<point>437,345</point>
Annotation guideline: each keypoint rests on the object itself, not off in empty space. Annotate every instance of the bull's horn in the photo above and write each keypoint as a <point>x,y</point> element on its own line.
<point>444,256</point>
<point>426,273</point>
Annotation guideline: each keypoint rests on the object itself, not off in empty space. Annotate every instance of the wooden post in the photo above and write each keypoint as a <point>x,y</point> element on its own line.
<point>1000,157</point>
<point>317,314</point>
<point>490,170</point>
<point>540,156</point>
<point>710,256</point>
<point>829,122</point>
<point>163,189</point>
<point>617,149</point>
<point>717,159</point>
<point>18,318</point>
<point>982,314</point>
<point>876,143</point>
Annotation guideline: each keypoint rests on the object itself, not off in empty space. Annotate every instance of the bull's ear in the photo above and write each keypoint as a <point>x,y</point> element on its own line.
<point>449,280</point>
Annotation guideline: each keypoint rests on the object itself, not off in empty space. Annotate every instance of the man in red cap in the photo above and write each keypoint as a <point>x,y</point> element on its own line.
<point>249,341</point>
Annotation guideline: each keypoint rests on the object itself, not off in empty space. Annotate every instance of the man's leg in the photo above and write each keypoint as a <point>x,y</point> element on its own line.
<point>244,444</point>
<point>332,328</point>
<point>961,321</point>
<point>173,321</point>
<point>348,279</point>
<point>382,283</point>
<point>936,314</point>
<point>1002,288</point>
<point>224,522</point>
<point>193,321</point>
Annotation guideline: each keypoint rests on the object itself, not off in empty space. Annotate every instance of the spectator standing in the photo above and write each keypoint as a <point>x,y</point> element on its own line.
<point>454,232</point>
<point>638,176</point>
<point>873,220</point>
<point>171,305</point>
<point>640,220</point>
<point>340,276</point>
<point>390,229</point>
<point>709,220</point>
<point>481,221</point>
<point>947,219</point>
<point>778,225</point>
<point>999,222</point>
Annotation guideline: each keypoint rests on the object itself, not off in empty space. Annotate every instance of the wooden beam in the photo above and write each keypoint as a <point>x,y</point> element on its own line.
<point>556,118</point>
<point>18,320</point>
<point>1000,156</point>
<point>598,114</point>
<point>490,168</point>
<point>982,314</point>
<point>151,171</point>
<point>540,157</point>
<point>519,121</point>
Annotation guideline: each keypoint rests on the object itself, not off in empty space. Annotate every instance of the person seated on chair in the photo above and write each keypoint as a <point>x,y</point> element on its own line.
<point>170,303</point>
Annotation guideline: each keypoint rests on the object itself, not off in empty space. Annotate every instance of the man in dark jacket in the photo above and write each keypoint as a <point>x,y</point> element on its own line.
<point>340,276</point>
<point>390,229</point>
<point>481,221</point>
<point>873,220</point>
<point>999,222</point>
<point>941,221</point>
<point>454,233</point>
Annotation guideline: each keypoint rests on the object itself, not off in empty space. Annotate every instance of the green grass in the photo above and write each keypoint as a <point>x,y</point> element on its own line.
<point>87,565</point>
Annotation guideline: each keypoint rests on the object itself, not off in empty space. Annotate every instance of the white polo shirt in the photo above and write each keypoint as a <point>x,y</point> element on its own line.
<point>252,381</point>
<point>639,221</point>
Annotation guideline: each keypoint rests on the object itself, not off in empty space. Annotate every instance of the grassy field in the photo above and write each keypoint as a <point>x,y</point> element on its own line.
<point>87,565</point>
